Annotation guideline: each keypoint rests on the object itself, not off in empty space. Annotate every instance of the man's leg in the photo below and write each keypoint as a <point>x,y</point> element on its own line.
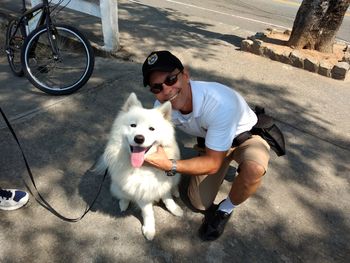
<point>247,181</point>
<point>203,189</point>
<point>252,157</point>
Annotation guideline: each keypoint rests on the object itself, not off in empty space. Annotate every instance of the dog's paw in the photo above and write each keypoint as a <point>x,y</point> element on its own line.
<point>148,232</point>
<point>173,207</point>
<point>177,211</point>
<point>123,204</point>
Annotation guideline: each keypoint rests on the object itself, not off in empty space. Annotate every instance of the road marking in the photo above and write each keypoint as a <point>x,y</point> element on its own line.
<point>288,2</point>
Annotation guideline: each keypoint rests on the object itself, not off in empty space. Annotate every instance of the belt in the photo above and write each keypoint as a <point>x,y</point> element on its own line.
<point>241,138</point>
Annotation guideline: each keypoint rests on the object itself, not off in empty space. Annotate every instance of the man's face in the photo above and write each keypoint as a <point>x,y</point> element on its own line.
<point>171,86</point>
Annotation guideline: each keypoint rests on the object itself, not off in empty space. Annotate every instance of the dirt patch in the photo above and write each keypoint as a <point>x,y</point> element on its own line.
<point>278,41</point>
<point>273,44</point>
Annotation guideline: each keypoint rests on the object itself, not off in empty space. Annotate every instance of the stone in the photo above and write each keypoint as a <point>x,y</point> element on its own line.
<point>325,69</point>
<point>256,47</point>
<point>260,35</point>
<point>284,57</point>
<point>287,32</point>
<point>347,48</point>
<point>346,57</point>
<point>340,70</point>
<point>270,30</point>
<point>280,56</point>
<point>269,52</point>
<point>296,59</point>
<point>246,45</point>
<point>311,64</point>
<point>263,50</point>
<point>251,38</point>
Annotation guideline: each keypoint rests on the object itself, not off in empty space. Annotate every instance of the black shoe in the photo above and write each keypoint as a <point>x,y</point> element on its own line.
<point>213,224</point>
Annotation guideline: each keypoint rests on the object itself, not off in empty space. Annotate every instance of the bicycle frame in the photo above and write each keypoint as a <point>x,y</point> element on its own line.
<point>45,18</point>
<point>27,14</point>
<point>44,51</point>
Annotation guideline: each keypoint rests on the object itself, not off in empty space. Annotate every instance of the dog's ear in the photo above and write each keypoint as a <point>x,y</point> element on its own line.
<point>165,109</point>
<point>131,101</point>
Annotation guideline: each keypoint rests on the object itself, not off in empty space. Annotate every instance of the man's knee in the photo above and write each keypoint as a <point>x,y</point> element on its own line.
<point>251,172</point>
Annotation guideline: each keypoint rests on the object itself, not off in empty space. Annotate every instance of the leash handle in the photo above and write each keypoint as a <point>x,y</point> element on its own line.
<point>39,198</point>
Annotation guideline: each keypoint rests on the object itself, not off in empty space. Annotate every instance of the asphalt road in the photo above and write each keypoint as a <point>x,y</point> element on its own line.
<point>250,15</point>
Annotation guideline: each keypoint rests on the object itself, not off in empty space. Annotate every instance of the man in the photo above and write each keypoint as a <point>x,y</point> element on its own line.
<point>220,115</point>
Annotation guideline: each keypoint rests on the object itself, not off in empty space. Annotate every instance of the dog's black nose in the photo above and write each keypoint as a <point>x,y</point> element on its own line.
<point>139,139</point>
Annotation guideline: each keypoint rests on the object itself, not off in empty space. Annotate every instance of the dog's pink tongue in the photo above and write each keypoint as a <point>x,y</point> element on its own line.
<point>137,156</point>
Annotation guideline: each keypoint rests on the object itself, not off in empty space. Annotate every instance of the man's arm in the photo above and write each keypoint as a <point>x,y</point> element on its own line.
<point>209,163</point>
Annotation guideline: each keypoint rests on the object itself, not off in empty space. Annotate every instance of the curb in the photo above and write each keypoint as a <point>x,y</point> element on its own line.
<point>256,45</point>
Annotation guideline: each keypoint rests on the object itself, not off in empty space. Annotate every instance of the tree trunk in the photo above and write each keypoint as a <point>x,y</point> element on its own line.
<point>317,23</point>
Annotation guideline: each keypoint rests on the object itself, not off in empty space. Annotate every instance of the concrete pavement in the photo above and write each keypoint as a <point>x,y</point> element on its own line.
<point>300,214</point>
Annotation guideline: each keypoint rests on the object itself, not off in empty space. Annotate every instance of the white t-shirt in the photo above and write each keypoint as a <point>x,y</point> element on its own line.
<point>219,115</point>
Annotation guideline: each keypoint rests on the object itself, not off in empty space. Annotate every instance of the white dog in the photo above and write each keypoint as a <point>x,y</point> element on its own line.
<point>137,132</point>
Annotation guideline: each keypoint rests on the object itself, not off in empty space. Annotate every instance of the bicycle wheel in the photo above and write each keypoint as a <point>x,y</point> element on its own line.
<point>59,74</point>
<point>14,43</point>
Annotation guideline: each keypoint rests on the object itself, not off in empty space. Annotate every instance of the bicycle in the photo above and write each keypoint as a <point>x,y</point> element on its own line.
<point>56,58</point>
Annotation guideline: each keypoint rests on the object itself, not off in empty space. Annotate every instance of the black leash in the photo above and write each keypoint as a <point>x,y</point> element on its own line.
<point>39,197</point>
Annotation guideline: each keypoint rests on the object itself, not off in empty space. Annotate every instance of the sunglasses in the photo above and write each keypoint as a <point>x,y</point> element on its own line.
<point>169,81</point>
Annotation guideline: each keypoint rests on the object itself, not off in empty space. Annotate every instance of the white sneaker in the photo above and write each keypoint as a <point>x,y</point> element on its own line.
<point>11,199</point>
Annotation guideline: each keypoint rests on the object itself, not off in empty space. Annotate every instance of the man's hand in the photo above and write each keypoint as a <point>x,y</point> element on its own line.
<point>209,163</point>
<point>159,159</point>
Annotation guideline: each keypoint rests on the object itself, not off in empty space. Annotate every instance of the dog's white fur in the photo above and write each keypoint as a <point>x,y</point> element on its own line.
<point>143,184</point>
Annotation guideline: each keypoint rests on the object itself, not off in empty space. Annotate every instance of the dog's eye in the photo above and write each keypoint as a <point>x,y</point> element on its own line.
<point>133,125</point>
<point>151,128</point>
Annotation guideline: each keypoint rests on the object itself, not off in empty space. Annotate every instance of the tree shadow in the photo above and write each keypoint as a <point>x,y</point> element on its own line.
<point>170,27</point>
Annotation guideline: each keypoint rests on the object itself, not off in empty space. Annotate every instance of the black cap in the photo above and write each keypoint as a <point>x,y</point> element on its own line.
<point>159,61</point>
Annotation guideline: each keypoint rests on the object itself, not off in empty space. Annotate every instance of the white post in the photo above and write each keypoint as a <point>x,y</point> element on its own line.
<point>109,18</point>
<point>107,11</point>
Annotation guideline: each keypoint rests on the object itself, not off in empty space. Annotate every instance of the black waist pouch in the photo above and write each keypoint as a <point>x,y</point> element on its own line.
<point>269,131</point>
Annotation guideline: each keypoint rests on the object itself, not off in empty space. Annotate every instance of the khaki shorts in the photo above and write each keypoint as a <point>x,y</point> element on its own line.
<point>203,189</point>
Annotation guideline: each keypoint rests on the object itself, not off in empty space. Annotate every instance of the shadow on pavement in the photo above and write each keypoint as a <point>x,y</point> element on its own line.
<point>298,215</point>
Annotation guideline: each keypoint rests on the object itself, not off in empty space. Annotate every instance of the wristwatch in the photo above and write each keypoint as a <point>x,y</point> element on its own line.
<point>172,171</point>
